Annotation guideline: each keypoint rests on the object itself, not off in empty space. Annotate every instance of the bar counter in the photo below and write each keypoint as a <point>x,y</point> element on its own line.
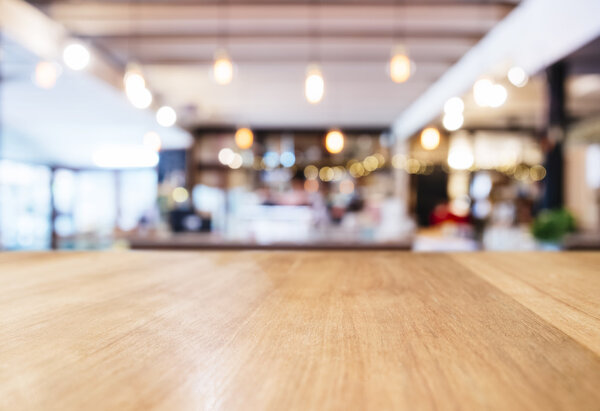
<point>283,330</point>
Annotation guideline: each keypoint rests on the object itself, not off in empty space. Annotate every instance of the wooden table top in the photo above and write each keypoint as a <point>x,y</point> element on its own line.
<point>299,330</point>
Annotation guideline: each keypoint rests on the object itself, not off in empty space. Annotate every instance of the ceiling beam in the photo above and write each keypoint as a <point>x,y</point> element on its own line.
<point>140,11</point>
<point>253,36</point>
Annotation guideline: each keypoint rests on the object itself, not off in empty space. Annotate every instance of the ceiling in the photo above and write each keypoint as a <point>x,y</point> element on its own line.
<point>271,44</point>
<point>63,125</point>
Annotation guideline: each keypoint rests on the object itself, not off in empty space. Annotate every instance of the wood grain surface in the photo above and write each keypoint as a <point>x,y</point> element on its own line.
<point>299,331</point>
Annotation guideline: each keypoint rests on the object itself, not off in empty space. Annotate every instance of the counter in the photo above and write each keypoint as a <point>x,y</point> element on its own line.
<point>281,330</point>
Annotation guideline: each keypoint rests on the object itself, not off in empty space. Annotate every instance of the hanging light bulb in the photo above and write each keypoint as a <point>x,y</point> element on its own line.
<point>517,76</point>
<point>166,116</point>
<point>244,138</point>
<point>133,78</point>
<point>430,138</point>
<point>314,86</point>
<point>334,141</point>
<point>135,87</point>
<point>76,56</point>
<point>400,65</point>
<point>222,68</point>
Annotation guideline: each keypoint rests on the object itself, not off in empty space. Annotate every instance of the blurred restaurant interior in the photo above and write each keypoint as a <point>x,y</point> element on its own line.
<point>435,125</point>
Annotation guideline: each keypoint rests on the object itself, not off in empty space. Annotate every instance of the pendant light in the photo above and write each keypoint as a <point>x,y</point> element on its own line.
<point>314,84</point>
<point>334,141</point>
<point>222,67</point>
<point>133,80</point>
<point>400,67</point>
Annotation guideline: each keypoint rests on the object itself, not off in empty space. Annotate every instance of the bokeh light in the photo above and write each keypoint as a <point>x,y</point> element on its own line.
<point>430,138</point>
<point>76,56</point>
<point>244,137</point>
<point>334,141</point>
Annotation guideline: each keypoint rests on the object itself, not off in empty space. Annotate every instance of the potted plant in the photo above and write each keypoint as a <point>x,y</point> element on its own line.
<point>551,226</point>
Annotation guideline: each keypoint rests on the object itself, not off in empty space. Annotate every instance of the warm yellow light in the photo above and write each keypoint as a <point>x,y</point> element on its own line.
<point>430,138</point>
<point>311,172</point>
<point>222,69</point>
<point>400,69</point>
<point>357,170</point>
<point>334,141</point>
<point>314,85</point>
<point>326,173</point>
<point>152,141</point>
<point>413,166</point>
<point>244,138</point>
<point>370,163</point>
<point>180,194</point>
<point>537,172</point>
<point>46,74</point>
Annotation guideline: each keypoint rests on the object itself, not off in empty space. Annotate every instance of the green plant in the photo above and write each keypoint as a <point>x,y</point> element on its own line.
<point>552,225</point>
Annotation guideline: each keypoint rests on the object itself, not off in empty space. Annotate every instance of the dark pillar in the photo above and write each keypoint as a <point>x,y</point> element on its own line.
<point>53,212</point>
<point>553,183</point>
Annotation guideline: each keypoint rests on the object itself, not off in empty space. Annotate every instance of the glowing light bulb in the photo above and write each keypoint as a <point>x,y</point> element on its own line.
<point>222,68</point>
<point>311,172</point>
<point>334,141</point>
<point>517,76</point>
<point>314,85</point>
<point>244,138</point>
<point>133,79</point>
<point>481,91</point>
<point>400,66</point>
<point>226,156</point>
<point>152,141</point>
<point>497,96</point>
<point>46,74</point>
<point>166,116</point>
<point>180,194</point>
<point>453,121</point>
<point>135,88</point>
<point>460,154</point>
<point>236,161</point>
<point>140,98</point>
<point>454,105</point>
<point>76,56</point>
<point>430,138</point>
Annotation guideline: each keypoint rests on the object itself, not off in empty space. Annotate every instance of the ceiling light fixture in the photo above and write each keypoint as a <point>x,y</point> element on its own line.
<point>76,56</point>
<point>400,65</point>
<point>222,68</point>
<point>334,141</point>
<point>430,138</point>
<point>517,76</point>
<point>314,85</point>
<point>244,138</point>
<point>166,116</point>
